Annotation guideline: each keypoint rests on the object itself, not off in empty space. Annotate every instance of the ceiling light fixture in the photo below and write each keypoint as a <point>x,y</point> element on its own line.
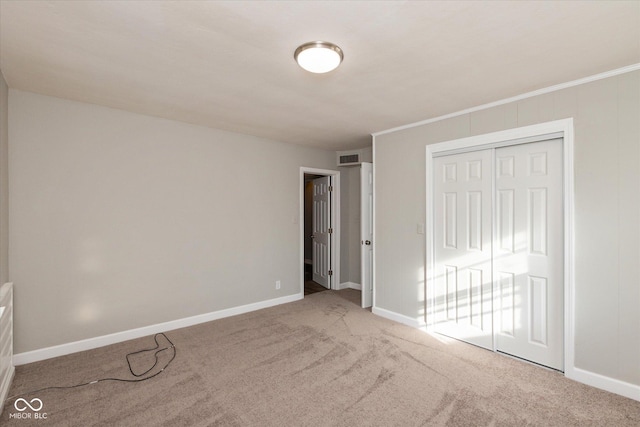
<point>318,57</point>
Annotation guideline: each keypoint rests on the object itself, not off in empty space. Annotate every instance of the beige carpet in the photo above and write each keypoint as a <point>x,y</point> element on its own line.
<point>320,361</point>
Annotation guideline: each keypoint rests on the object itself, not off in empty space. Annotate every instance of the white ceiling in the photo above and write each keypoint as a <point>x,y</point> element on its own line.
<point>229,65</point>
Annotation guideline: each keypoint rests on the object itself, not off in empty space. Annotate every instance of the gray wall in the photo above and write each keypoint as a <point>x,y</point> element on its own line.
<point>350,224</point>
<point>607,212</point>
<point>4,181</point>
<point>120,220</point>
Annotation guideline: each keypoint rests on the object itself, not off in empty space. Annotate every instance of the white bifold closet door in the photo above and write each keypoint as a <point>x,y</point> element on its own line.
<point>498,249</point>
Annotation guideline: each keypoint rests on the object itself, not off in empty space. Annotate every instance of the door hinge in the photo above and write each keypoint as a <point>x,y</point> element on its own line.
<point>331,188</point>
<point>330,272</point>
<point>331,231</point>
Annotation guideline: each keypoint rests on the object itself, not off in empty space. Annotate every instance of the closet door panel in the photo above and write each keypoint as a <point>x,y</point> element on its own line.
<point>462,247</point>
<point>528,252</point>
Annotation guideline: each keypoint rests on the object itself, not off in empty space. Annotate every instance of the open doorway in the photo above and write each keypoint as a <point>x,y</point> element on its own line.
<point>319,230</point>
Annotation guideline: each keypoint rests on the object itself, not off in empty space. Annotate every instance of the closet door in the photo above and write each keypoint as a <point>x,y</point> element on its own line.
<point>462,186</point>
<point>528,252</point>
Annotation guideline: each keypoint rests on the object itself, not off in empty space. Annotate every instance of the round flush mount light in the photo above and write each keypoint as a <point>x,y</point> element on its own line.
<point>318,57</point>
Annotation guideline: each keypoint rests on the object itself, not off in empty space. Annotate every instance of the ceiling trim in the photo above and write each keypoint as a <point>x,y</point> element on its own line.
<point>542,91</point>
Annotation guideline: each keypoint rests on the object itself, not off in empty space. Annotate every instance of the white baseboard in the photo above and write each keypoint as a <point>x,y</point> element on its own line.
<point>632,391</point>
<point>397,317</point>
<point>91,343</point>
<point>349,285</point>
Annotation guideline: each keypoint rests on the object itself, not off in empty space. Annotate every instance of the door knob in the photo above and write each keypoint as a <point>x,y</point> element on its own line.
<point>367,242</point>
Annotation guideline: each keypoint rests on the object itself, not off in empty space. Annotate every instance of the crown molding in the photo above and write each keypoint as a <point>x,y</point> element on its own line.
<point>538,92</point>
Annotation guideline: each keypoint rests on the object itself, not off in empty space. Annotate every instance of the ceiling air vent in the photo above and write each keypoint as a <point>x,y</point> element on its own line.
<point>349,158</point>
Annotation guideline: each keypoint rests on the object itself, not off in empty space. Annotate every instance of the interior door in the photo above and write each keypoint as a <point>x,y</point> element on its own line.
<point>528,252</point>
<point>321,225</point>
<point>366,233</point>
<point>462,247</point>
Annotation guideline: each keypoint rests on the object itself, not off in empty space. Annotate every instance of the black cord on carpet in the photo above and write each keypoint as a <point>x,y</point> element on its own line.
<point>125,380</point>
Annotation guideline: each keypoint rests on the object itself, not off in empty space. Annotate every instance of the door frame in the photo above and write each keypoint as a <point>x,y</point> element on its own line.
<point>334,280</point>
<point>365,294</point>
<point>557,129</point>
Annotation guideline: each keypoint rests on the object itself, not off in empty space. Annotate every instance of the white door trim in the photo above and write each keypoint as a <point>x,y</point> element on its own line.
<point>335,215</point>
<point>366,221</point>
<point>479,142</point>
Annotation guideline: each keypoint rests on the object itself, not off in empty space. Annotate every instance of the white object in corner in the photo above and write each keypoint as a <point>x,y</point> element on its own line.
<point>6,340</point>
<point>91,343</point>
